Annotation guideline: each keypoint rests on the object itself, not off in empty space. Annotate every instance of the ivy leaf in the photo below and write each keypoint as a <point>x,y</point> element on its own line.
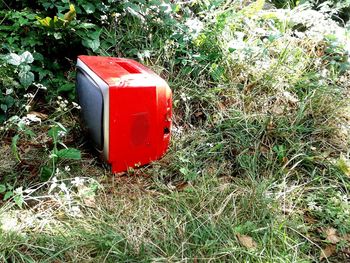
<point>13,59</point>
<point>26,78</point>
<point>69,153</point>
<point>27,57</point>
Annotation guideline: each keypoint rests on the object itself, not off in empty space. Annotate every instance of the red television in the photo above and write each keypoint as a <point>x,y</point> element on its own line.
<point>126,108</point>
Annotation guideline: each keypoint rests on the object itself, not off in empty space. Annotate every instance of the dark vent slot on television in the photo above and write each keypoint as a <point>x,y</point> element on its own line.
<point>131,69</point>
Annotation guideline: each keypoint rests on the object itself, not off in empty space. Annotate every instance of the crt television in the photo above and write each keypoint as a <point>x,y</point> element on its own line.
<point>126,108</point>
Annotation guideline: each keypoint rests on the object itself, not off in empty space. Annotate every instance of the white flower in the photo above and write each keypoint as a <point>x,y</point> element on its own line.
<point>61,133</point>
<point>53,185</point>
<point>33,118</point>
<point>77,181</point>
<point>27,108</point>
<point>18,191</point>
<point>67,168</point>
<point>29,95</point>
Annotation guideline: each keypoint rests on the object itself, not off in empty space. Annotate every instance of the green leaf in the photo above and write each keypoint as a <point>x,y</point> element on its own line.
<point>19,200</point>
<point>14,147</point>
<point>13,59</point>
<point>89,8</point>
<point>53,132</point>
<point>8,195</point>
<point>94,44</point>
<point>45,21</point>
<point>2,188</point>
<point>26,78</point>
<point>57,35</point>
<point>27,57</point>
<point>66,87</point>
<point>45,173</point>
<point>3,107</point>
<point>86,25</point>
<point>69,153</point>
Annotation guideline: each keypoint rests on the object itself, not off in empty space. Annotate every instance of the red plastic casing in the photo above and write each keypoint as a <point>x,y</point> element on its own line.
<point>139,111</point>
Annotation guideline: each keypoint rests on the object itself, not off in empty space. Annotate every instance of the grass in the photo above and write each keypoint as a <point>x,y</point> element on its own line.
<point>259,152</point>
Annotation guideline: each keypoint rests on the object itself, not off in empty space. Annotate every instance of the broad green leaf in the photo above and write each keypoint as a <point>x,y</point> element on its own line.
<point>94,44</point>
<point>26,78</point>
<point>3,107</point>
<point>89,8</point>
<point>2,188</point>
<point>66,87</point>
<point>13,59</point>
<point>27,57</point>
<point>69,153</point>
<point>57,35</point>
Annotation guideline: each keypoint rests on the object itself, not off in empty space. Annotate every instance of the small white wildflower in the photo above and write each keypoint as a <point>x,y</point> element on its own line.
<point>63,187</point>
<point>27,108</point>
<point>33,118</point>
<point>104,18</point>
<point>29,95</point>
<point>61,133</point>
<point>59,97</point>
<point>18,191</point>
<point>77,181</point>
<point>53,185</point>
<point>116,17</point>
<point>67,168</point>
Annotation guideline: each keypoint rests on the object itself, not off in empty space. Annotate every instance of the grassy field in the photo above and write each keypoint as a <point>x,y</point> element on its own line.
<point>258,169</point>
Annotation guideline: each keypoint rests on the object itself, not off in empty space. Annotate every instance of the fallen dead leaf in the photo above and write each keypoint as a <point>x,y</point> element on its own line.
<point>40,115</point>
<point>332,236</point>
<point>327,252</point>
<point>181,186</point>
<point>198,114</point>
<point>246,241</point>
<point>309,219</point>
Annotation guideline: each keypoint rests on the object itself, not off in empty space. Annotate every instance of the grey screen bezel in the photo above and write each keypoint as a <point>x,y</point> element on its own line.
<point>103,86</point>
